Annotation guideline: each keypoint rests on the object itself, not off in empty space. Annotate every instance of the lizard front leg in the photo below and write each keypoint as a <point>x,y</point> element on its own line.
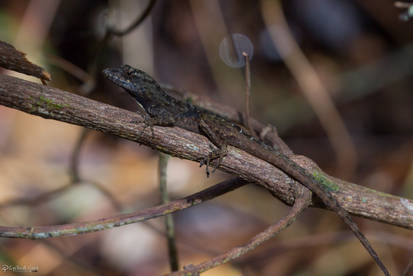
<point>208,130</point>
<point>150,121</point>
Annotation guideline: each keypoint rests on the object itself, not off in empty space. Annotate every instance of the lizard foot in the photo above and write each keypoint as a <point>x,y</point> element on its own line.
<point>205,161</point>
<point>149,122</point>
<point>216,154</point>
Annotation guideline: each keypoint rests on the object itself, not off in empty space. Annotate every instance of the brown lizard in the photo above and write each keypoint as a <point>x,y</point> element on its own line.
<point>161,109</point>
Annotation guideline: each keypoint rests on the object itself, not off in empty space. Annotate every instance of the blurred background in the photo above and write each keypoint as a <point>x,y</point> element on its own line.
<point>334,77</point>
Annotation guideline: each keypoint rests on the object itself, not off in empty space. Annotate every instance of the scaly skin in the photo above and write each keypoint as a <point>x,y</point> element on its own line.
<point>164,110</point>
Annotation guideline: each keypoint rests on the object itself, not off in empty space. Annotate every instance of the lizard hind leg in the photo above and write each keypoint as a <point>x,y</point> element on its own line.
<point>215,138</point>
<point>218,154</point>
<point>151,121</point>
<point>148,122</point>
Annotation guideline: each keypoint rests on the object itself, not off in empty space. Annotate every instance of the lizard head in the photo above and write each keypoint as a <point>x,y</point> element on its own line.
<point>135,81</point>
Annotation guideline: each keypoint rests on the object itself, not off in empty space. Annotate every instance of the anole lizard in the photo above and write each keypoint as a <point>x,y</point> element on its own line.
<point>161,109</point>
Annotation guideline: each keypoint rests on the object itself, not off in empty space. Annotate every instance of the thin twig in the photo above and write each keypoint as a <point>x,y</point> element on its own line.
<point>169,223</point>
<point>248,94</point>
<point>74,160</point>
<point>136,23</point>
<point>69,67</point>
<point>41,198</point>
<point>316,240</point>
<point>408,268</point>
<point>111,32</point>
<point>90,78</point>
<point>70,257</point>
<point>116,204</point>
<point>302,201</point>
<point>311,86</point>
<point>73,229</point>
<point>88,86</point>
<point>49,195</point>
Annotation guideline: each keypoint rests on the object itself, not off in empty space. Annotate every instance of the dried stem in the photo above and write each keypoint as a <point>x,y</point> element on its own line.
<point>73,229</point>
<point>248,94</point>
<point>169,223</point>
<point>303,200</point>
<point>311,86</point>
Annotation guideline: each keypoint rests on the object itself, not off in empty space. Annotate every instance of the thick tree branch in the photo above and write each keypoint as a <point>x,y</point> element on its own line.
<point>52,103</point>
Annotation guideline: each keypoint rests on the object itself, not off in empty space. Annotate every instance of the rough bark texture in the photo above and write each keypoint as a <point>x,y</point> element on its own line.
<point>52,103</point>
